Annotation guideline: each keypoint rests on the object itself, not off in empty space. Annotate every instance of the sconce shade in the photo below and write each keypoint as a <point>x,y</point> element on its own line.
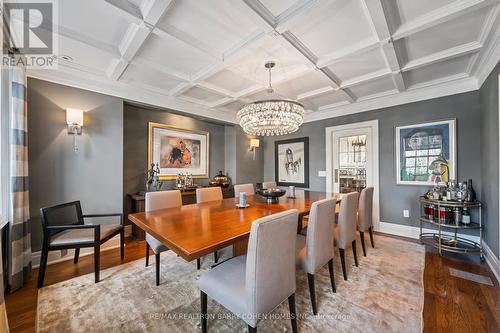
<point>254,143</point>
<point>74,117</point>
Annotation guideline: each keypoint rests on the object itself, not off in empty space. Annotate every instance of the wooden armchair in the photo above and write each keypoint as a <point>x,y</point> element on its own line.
<point>64,228</point>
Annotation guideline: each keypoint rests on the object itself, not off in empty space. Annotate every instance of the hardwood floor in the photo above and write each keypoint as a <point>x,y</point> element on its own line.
<point>451,304</point>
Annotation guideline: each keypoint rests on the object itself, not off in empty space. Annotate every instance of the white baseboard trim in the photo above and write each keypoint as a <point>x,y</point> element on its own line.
<point>414,232</point>
<point>63,255</point>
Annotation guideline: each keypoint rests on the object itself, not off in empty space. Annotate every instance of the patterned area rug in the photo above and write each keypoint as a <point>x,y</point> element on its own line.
<point>384,294</point>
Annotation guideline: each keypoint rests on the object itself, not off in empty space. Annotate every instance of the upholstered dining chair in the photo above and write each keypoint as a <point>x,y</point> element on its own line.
<point>269,184</point>
<point>247,188</point>
<point>345,229</point>
<point>156,201</point>
<point>253,285</point>
<point>207,194</point>
<point>365,211</point>
<point>315,250</point>
<point>64,228</point>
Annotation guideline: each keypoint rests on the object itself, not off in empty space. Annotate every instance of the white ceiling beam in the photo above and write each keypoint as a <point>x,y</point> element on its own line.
<point>316,92</point>
<point>440,15</point>
<point>160,68</point>
<point>223,101</point>
<point>153,10</point>
<point>289,17</point>
<point>366,78</point>
<point>382,20</point>
<point>216,89</point>
<point>181,88</point>
<point>356,48</point>
<point>126,7</point>
<point>453,52</point>
<point>133,40</point>
<point>116,68</point>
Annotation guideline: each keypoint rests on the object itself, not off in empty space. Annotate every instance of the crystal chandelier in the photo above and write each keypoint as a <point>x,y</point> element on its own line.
<point>271,116</point>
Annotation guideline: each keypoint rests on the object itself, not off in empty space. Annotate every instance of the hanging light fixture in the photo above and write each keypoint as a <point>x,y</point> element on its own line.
<point>271,116</point>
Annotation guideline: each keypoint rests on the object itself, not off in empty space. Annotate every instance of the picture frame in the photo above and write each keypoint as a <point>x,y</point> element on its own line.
<point>291,162</point>
<point>178,150</point>
<point>420,149</point>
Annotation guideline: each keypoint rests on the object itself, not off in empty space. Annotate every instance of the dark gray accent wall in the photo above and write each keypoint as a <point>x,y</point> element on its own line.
<point>394,198</point>
<point>56,173</point>
<point>489,157</point>
<point>135,143</point>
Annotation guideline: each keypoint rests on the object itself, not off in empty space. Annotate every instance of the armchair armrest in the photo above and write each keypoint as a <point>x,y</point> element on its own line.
<point>105,215</point>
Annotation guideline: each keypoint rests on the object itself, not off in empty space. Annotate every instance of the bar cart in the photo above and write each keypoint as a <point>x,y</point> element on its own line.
<point>440,213</point>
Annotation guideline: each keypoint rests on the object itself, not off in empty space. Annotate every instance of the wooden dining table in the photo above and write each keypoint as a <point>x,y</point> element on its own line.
<point>193,231</point>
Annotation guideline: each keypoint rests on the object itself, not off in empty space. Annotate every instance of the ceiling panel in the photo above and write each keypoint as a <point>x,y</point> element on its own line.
<point>324,100</point>
<point>373,87</point>
<point>437,71</point>
<point>84,55</point>
<point>332,26</point>
<point>462,30</point>
<point>411,9</point>
<point>311,81</point>
<point>203,94</point>
<point>171,53</point>
<point>229,81</point>
<point>233,106</point>
<point>359,64</point>
<point>277,7</point>
<point>94,18</point>
<point>150,77</point>
<point>218,23</point>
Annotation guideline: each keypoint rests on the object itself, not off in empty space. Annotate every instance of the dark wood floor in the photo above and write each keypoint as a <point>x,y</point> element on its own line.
<point>451,304</point>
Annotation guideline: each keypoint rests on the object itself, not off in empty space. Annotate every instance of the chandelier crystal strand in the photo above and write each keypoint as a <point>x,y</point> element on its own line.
<point>271,117</point>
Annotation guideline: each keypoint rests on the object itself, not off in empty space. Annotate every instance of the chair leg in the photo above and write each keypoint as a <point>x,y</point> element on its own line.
<point>332,276</point>
<point>342,261</point>
<point>198,263</point>
<point>354,253</point>
<point>203,312</point>
<point>43,265</point>
<point>252,329</point>
<point>147,254</point>
<point>370,230</point>
<point>157,262</point>
<point>216,257</point>
<point>293,312</point>
<point>122,243</point>
<point>362,237</point>
<point>312,292</point>
<point>96,262</point>
<point>77,254</point>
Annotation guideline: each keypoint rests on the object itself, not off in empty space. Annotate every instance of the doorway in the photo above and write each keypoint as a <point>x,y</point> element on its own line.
<point>352,161</point>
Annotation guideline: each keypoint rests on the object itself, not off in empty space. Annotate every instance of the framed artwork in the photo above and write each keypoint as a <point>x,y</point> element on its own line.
<point>291,162</point>
<point>177,150</point>
<point>426,153</point>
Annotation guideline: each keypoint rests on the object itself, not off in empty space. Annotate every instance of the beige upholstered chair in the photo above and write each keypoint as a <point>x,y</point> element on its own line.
<point>345,230</point>
<point>156,201</point>
<point>269,184</point>
<point>207,194</point>
<point>247,188</point>
<point>315,250</point>
<point>365,212</point>
<point>253,285</point>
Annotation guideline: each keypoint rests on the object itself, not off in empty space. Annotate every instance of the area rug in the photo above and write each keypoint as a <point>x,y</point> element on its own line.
<point>384,294</point>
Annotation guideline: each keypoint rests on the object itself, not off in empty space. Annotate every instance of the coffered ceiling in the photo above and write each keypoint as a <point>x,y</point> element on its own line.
<point>335,57</point>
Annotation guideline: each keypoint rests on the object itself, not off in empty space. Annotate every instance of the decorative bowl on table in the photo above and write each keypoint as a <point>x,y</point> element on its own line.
<point>271,194</point>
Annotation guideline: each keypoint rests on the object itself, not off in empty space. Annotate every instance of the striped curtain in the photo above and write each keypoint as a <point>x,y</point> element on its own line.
<point>19,231</point>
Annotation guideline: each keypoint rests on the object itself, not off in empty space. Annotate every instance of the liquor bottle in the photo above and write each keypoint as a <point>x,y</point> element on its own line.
<point>471,194</point>
<point>466,216</point>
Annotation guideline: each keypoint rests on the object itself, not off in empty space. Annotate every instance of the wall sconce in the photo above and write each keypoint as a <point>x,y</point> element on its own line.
<point>74,119</point>
<point>254,143</point>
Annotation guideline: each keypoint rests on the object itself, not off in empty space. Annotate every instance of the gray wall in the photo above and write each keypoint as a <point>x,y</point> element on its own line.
<point>394,198</point>
<point>489,157</point>
<point>93,175</point>
<point>135,143</point>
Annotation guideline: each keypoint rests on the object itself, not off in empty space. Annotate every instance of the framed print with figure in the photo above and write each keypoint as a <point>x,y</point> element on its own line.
<point>291,162</point>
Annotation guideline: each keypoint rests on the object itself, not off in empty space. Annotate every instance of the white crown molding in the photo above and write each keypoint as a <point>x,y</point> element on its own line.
<point>489,57</point>
<point>96,83</point>
<point>410,96</point>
